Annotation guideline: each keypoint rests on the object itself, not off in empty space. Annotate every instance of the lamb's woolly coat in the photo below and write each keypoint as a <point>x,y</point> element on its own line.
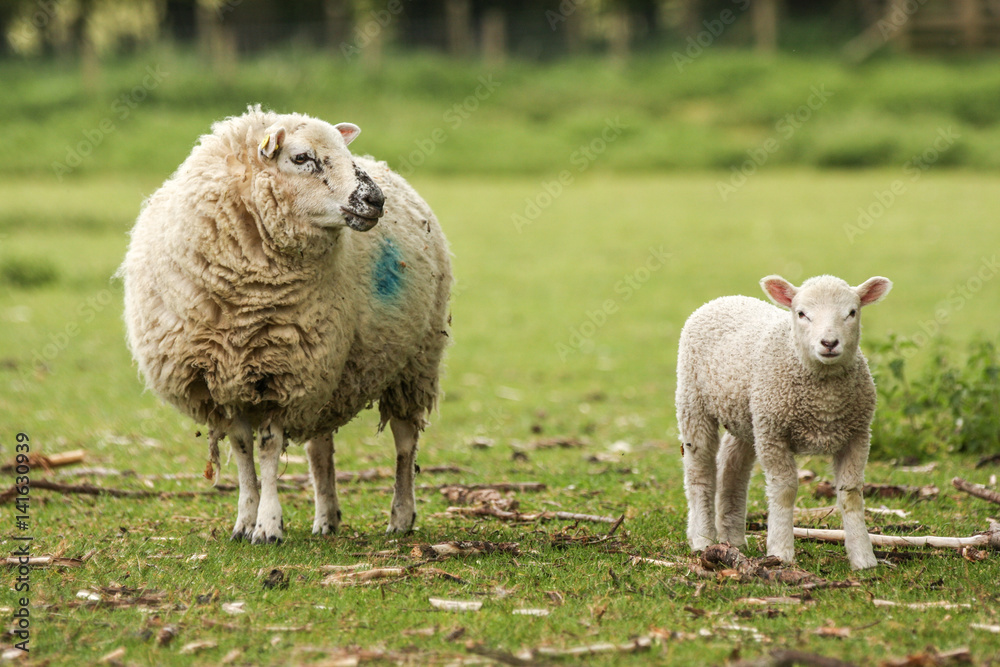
<point>737,359</point>
<point>224,316</point>
<point>743,366</point>
<point>247,315</point>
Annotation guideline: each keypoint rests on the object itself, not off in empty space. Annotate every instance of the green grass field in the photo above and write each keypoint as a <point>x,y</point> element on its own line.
<point>567,309</point>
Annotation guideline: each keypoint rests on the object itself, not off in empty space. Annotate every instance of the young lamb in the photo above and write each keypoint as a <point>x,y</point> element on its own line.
<point>780,384</point>
<point>261,296</point>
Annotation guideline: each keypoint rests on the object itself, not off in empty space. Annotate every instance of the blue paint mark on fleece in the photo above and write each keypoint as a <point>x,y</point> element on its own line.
<point>387,272</point>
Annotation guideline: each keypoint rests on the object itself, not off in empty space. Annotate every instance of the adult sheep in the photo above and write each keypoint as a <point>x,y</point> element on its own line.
<point>262,297</point>
<point>780,384</point>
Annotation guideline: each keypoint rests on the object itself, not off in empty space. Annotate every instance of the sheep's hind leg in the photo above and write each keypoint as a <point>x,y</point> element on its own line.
<point>270,526</point>
<point>241,442</point>
<point>735,463</point>
<point>322,470</point>
<point>700,444</point>
<point>404,504</point>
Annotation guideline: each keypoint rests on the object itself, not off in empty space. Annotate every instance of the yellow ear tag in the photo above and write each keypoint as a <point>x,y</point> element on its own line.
<point>263,144</point>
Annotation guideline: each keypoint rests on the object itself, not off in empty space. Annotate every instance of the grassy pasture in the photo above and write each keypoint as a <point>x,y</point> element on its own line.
<point>566,318</point>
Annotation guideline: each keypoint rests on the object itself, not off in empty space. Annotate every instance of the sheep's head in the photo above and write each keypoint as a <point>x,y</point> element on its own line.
<point>315,179</point>
<point>826,314</point>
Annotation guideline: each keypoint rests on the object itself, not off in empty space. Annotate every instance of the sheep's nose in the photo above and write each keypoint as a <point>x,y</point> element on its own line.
<point>374,197</point>
<point>830,344</point>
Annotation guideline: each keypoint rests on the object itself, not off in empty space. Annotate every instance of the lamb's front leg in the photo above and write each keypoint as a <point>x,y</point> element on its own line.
<point>782,483</point>
<point>241,442</point>
<point>270,526</point>
<point>322,469</point>
<point>404,503</point>
<point>849,475</point>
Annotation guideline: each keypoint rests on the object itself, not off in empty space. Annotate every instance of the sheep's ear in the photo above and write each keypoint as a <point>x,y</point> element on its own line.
<point>349,131</point>
<point>779,290</point>
<point>873,290</point>
<point>271,143</point>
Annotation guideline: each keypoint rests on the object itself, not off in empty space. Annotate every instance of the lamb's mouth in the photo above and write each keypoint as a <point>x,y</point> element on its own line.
<point>359,222</point>
<point>829,355</point>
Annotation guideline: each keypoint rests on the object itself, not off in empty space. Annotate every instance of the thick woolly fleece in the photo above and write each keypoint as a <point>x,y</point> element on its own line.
<point>248,317</point>
<point>741,368</point>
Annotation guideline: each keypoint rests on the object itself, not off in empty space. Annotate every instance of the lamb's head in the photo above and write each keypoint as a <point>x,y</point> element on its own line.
<point>316,180</point>
<point>826,315</point>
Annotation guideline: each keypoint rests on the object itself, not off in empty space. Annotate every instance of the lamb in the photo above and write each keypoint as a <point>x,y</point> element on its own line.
<point>780,384</point>
<point>264,295</point>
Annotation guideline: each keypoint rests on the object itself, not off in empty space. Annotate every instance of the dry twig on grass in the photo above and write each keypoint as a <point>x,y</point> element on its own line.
<point>990,539</point>
<point>464,548</point>
<point>977,490</point>
<point>49,461</point>
<point>787,658</point>
<point>542,654</point>
<point>929,492</point>
<point>91,490</point>
<point>932,658</point>
<point>48,560</point>
<point>527,517</point>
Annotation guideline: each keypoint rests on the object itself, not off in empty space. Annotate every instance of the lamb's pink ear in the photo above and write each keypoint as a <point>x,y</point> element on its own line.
<point>873,290</point>
<point>779,290</point>
<point>349,131</point>
<point>271,143</point>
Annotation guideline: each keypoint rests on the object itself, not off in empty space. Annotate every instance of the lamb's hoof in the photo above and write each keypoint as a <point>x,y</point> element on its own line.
<point>788,558</point>
<point>325,528</point>
<point>398,527</point>
<point>865,563</point>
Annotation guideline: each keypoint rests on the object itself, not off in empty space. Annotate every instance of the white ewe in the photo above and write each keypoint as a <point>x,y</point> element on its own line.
<point>260,295</point>
<point>780,384</point>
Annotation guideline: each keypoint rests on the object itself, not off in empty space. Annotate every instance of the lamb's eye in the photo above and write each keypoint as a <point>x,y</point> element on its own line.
<point>301,158</point>
<point>852,313</point>
<point>802,315</point>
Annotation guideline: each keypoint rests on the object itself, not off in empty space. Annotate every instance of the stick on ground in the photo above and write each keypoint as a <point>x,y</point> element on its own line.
<point>989,539</point>
<point>977,490</point>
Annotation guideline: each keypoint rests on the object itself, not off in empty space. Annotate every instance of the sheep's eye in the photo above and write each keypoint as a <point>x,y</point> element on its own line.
<point>802,315</point>
<point>852,313</point>
<point>301,158</point>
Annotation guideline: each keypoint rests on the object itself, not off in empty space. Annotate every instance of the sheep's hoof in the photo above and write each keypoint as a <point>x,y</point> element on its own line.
<point>273,534</point>
<point>260,536</point>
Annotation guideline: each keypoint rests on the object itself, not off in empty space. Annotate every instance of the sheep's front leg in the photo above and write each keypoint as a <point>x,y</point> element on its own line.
<point>735,462</point>
<point>322,470</point>
<point>241,442</point>
<point>270,526</point>
<point>782,482</point>
<point>849,475</point>
<point>699,445</point>
<point>404,503</point>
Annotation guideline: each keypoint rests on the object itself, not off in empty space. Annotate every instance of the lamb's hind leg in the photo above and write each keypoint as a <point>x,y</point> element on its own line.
<point>735,463</point>
<point>322,469</point>
<point>700,444</point>
<point>270,525</point>
<point>404,505</point>
<point>241,442</point>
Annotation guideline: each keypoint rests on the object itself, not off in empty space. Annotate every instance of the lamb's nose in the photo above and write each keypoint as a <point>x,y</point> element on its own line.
<point>830,344</point>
